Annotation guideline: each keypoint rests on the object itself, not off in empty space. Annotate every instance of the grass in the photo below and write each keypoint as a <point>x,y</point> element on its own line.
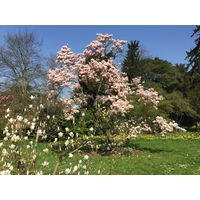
<point>173,154</point>
<point>156,157</point>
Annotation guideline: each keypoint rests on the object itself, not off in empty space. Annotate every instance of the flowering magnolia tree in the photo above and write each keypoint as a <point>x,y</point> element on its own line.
<point>19,153</point>
<point>96,84</point>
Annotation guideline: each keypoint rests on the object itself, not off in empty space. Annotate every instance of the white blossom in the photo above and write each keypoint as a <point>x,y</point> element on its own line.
<point>12,146</point>
<point>60,134</point>
<point>67,171</point>
<point>70,155</point>
<point>32,97</point>
<point>15,138</point>
<point>25,120</point>
<point>39,132</point>
<point>75,168</point>
<point>91,129</point>
<point>67,129</point>
<point>46,150</point>
<point>39,173</point>
<point>6,116</point>
<point>19,118</point>
<point>71,134</point>
<point>11,168</point>
<point>84,167</point>
<point>86,157</point>
<point>34,157</point>
<point>4,152</point>
<point>32,127</point>
<point>5,172</point>
<point>26,138</point>
<point>66,143</point>
<point>11,120</point>
<point>45,164</point>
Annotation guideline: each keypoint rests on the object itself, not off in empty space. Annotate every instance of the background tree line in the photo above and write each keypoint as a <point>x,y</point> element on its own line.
<point>179,83</point>
<point>24,69</point>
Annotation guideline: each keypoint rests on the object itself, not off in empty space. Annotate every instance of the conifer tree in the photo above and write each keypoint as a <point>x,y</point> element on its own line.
<point>131,64</point>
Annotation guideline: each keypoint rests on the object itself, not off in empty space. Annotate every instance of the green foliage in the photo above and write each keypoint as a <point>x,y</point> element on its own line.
<point>193,55</point>
<point>173,83</point>
<point>91,121</point>
<point>160,72</point>
<point>178,108</point>
<point>142,112</point>
<point>56,121</point>
<point>193,67</point>
<point>85,120</point>
<point>131,64</point>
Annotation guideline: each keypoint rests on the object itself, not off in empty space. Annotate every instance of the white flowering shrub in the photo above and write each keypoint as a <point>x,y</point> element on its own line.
<point>19,151</point>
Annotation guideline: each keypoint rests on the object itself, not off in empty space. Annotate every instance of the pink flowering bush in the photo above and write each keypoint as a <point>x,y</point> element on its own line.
<point>97,85</point>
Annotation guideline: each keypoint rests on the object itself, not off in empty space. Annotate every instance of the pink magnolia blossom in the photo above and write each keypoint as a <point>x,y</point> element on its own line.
<point>167,127</point>
<point>147,96</point>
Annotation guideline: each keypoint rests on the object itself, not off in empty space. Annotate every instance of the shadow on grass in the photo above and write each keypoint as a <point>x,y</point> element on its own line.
<point>151,150</point>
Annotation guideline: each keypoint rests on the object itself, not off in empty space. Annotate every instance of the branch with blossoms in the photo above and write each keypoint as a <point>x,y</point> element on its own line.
<point>165,127</point>
<point>146,96</point>
<point>19,148</point>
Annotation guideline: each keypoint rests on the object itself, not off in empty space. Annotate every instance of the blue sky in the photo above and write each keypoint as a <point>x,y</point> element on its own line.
<point>168,42</point>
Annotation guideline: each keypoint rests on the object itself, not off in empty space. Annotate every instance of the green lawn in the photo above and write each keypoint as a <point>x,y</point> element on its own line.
<point>157,157</point>
<point>175,154</point>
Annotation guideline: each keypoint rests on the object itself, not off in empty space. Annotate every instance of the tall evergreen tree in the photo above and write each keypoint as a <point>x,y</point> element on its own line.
<point>193,67</point>
<point>131,64</point>
<point>193,55</point>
